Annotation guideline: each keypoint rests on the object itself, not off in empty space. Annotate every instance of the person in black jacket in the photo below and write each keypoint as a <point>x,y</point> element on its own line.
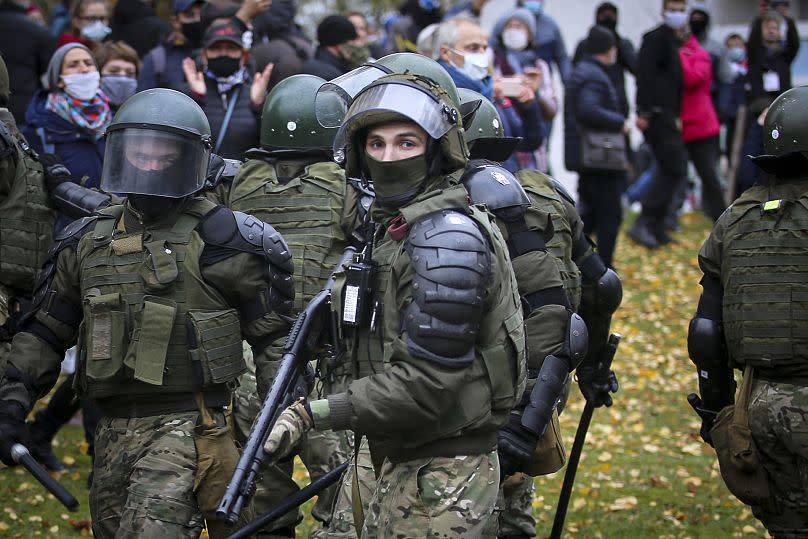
<point>591,102</point>
<point>135,23</point>
<point>27,48</point>
<point>606,15</point>
<point>659,100</point>
<point>226,84</point>
<point>338,45</point>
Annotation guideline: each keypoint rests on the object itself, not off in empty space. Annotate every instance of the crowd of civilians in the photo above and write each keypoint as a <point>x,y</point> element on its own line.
<point>72,67</point>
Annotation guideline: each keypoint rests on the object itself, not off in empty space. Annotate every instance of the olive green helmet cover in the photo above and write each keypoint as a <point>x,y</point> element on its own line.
<point>158,144</point>
<point>403,62</point>
<point>785,135</point>
<point>291,113</point>
<point>437,114</point>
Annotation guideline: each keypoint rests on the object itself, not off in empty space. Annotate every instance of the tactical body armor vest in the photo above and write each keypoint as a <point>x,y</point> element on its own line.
<point>152,325</point>
<point>26,220</point>
<point>307,210</point>
<point>496,376</point>
<point>545,197</point>
<point>765,277</point>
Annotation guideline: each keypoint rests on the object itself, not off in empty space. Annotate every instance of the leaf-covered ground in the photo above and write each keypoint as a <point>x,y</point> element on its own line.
<point>644,472</point>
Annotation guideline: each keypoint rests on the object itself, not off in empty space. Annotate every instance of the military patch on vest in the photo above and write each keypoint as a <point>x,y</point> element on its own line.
<point>772,205</point>
<point>127,245</point>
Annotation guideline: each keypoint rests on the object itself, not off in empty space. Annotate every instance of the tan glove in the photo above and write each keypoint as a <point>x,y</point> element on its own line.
<point>290,427</point>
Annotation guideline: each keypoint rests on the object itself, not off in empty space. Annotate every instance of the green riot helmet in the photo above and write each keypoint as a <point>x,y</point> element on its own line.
<point>418,64</point>
<point>291,113</point>
<point>345,87</point>
<point>784,135</point>
<point>5,86</point>
<point>485,134</point>
<point>157,144</point>
<point>408,98</point>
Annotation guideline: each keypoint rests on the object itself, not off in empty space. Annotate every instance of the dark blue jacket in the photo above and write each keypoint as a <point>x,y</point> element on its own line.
<point>80,152</point>
<point>591,101</point>
<point>162,67</point>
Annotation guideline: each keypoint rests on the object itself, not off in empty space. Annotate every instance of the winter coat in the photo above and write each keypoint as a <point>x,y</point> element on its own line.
<point>325,65</point>
<point>763,60</point>
<point>699,119</point>
<point>659,73</point>
<point>136,23</point>
<point>626,61</point>
<point>245,124</point>
<point>80,152</point>
<point>590,101</point>
<point>26,48</point>
<point>162,66</point>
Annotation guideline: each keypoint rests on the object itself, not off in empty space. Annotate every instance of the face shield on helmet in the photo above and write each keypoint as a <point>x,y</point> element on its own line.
<point>401,97</point>
<point>344,88</point>
<point>157,161</point>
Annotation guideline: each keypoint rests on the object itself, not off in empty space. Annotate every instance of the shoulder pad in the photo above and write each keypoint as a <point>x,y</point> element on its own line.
<point>495,187</point>
<point>6,141</point>
<point>242,232</point>
<point>561,190</point>
<point>76,229</point>
<point>452,263</point>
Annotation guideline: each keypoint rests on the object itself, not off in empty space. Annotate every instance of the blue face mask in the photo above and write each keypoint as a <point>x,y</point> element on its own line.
<point>535,6</point>
<point>429,5</point>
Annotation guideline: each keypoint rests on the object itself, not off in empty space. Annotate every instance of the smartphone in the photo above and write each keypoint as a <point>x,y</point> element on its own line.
<point>511,86</point>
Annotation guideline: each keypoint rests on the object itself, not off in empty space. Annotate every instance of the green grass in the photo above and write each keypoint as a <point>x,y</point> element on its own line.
<point>644,472</point>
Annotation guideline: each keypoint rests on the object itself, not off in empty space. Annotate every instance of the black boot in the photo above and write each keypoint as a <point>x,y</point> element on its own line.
<point>641,233</point>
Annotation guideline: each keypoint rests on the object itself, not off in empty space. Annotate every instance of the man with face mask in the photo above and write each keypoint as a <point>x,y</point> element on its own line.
<point>461,47</point>
<point>162,66</point>
<point>230,95</point>
<point>338,51</point>
<point>606,15</point>
<point>160,291</point>
<point>659,100</point>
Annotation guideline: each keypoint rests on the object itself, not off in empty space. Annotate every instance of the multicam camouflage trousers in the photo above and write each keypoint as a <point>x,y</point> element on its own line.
<point>778,419</point>
<point>144,478</point>
<point>515,506</point>
<point>319,451</point>
<point>434,497</point>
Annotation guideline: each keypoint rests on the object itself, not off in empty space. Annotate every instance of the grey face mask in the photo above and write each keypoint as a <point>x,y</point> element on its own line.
<point>118,88</point>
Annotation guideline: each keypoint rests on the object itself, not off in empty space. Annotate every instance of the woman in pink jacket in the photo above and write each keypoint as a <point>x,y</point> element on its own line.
<point>700,127</point>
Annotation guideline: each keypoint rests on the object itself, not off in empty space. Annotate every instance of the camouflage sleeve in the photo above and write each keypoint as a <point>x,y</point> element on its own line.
<point>241,280</point>
<point>710,253</point>
<point>36,354</point>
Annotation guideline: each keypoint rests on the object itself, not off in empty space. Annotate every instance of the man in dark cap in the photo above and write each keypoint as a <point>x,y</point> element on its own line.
<point>606,15</point>
<point>592,106</point>
<point>162,66</point>
<point>338,51</point>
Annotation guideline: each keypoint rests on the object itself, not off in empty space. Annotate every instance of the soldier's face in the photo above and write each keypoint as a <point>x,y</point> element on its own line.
<point>395,141</point>
<point>152,155</point>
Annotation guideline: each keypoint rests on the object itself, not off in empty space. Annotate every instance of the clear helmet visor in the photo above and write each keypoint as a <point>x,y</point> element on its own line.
<point>343,89</point>
<point>430,113</point>
<point>156,162</point>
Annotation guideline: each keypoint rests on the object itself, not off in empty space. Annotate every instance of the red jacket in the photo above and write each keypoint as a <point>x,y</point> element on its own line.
<point>699,119</point>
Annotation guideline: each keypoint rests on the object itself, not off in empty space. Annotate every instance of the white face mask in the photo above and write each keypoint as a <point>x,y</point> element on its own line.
<point>96,31</point>
<point>515,39</point>
<point>675,19</point>
<point>82,86</point>
<point>475,64</point>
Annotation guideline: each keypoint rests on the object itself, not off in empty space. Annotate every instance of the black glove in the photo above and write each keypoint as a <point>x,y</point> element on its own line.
<point>515,445</point>
<point>12,429</point>
<point>596,385</point>
<point>55,171</point>
<point>707,418</point>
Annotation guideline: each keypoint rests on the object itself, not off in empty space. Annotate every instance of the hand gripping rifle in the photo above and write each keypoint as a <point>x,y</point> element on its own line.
<point>304,341</point>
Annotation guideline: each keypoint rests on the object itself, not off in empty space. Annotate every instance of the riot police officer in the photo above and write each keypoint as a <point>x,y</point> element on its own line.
<point>752,316</point>
<point>159,292</point>
<point>293,181</point>
<point>440,346</point>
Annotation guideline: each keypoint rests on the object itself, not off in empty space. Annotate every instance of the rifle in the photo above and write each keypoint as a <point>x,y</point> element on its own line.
<point>578,444</point>
<point>301,347</point>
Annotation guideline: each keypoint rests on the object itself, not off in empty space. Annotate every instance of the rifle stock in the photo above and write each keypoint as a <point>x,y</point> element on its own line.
<point>299,349</point>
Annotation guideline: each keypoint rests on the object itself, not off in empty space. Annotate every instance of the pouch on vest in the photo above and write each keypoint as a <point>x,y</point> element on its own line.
<point>147,352</point>
<point>214,340</point>
<point>217,457</point>
<point>499,364</point>
<point>107,334</point>
<point>549,455</point>
<point>738,456</point>
<point>159,269</point>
